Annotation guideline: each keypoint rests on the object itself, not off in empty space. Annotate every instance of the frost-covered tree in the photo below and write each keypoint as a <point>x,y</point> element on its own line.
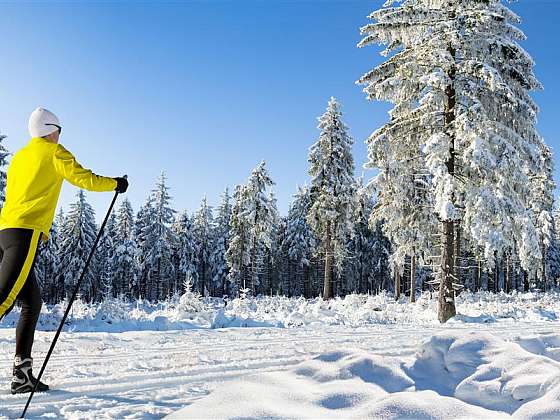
<point>105,251</point>
<point>331,190</point>
<point>47,264</point>
<point>238,251</point>
<point>124,268</point>
<point>3,156</point>
<point>77,235</point>
<point>299,243</point>
<point>367,248</point>
<point>158,239</point>
<point>203,230</point>
<point>221,243</point>
<point>142,243</point>
<point>185,251</point>
<point>260,213</point>
<point>460,84</point>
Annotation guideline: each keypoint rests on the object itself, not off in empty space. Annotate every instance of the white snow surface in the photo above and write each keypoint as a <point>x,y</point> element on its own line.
<point>360,357</point>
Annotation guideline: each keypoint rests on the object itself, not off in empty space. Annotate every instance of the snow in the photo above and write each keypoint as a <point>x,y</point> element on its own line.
<point>456,374</point>
<point>359,357</point>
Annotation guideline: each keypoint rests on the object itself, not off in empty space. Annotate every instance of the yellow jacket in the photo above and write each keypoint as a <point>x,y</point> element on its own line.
<point>34,181</point>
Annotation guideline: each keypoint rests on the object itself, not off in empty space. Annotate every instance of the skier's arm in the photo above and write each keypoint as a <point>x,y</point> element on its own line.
<point>66,165</point>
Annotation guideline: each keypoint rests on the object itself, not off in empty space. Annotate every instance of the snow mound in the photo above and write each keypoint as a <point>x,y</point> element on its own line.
<point>453,375</point>
<point>190,312</point>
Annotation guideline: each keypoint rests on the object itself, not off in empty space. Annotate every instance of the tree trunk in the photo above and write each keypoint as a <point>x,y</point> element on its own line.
<point>543,251</point>
<point>478,284</point>
<point>327,287</point>
<point>457,264</point>
<point>413,279</point>
<point>508,276</point>
<point>446,299</point>
<point>397,283</point>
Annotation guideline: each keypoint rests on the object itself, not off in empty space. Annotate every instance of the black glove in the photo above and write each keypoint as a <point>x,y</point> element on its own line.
<point>122,185</point>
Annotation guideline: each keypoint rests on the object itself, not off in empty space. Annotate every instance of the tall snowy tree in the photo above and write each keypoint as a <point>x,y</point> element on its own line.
<point>299,243</point>
<point>460,84</point>
<point>124,268</point>
<point>142,244</point>
<point>47,264</point>
<point>237,254</point>
<point>185,251</point>
<point>260,212</point>
<point>203,229</point>
<point>159,239</point>
<point>332,190</point>
<point>77,235</point>
<point>105,251</point>
<point>221,243</point>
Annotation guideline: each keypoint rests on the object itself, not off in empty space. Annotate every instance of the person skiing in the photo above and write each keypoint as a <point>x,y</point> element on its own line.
<point>34,180</point>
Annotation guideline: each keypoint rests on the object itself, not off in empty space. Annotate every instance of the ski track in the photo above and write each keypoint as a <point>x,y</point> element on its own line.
<point>149,374</point>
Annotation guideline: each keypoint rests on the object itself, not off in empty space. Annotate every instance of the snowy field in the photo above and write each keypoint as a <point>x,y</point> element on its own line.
<point>362,357</point>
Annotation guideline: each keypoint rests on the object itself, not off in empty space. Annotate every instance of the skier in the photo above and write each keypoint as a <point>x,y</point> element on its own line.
<point>34,181</point>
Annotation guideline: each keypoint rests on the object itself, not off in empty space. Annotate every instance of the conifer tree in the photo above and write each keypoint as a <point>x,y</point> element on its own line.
<point>124,268</point>
<point>299,242</point>
<point>460,84</point>
<point>219,267</point>
<point>77,235</point>
<point>203,230</point>
<point>331,190</point>
<point>185,251</point>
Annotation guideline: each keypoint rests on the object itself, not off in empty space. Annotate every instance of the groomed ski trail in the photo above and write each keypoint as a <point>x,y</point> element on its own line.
<point>149,374</point>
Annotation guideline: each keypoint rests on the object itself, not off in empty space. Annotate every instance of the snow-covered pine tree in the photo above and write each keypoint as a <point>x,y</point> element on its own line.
<point>185,252</point>
<point>47,265</point>
<point>363,252</point>
<point>238,251</point>
<point>553,251</point>
<point>219,267</point>
<point>260,212</point>
<point>299,243</point>
<point>159,240</point>
<point>460,83</point>
<point>204,230</point>
<point>331,190</point>
<point>142,242</point>
<point>125,276</point>
<point>105,251</point>
<point>77,235</point>
<point>3,155</point>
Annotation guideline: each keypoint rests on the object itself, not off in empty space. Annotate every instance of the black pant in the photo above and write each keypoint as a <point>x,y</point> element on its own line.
<point>18,282</point>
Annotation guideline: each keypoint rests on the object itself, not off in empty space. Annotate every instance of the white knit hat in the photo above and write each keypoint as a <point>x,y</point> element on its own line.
<point>42,122</point>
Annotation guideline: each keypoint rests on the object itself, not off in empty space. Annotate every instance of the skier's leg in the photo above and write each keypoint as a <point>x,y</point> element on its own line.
<point>30,297</point>
<point>18,249</point>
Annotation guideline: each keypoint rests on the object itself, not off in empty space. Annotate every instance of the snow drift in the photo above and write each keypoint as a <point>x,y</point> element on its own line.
<point>180,313</point>
<point>453,375</point>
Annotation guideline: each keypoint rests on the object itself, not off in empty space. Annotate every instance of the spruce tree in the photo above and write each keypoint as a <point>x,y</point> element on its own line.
<point>124,268</point>
<point>185,252</point>
<point>460,84</point>
<point>299,243</point>
<point>219,267</point>
<point>238,251</point>
<point>203,230</point>
<point>331,190</point>
<point>77,235</point>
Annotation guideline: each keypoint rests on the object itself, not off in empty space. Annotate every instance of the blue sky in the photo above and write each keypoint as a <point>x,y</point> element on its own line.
<point>205,90</point>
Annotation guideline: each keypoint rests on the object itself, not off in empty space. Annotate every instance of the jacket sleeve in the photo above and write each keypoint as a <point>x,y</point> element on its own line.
<point>66,165</point>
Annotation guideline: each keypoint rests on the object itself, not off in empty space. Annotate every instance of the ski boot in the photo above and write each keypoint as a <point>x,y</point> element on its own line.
<point>23,380</point>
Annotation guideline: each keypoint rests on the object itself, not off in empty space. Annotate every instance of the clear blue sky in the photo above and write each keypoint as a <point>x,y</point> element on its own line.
<point>206,89</point>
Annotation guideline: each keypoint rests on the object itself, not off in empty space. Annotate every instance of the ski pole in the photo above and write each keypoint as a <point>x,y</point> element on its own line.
<point>70,303</point>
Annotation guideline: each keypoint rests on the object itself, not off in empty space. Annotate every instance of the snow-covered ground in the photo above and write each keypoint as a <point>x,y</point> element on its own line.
<point>383,360</point>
